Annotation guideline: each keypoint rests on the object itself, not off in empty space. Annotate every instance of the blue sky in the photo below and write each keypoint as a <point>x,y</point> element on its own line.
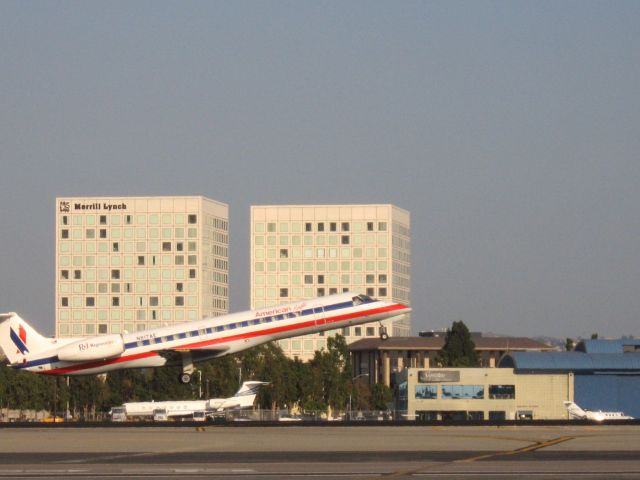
<point>509,130</point>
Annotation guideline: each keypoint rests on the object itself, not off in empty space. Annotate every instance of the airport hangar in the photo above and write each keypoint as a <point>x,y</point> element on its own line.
<point>527,384</point>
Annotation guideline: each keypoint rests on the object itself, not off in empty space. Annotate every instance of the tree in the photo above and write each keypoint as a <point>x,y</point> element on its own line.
<point>458,350</point>
<point>569,344</point>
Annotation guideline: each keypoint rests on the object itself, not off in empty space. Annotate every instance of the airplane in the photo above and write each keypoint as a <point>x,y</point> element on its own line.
<point>185,343</point>
<point>577,413</point>
<point>243,398</point>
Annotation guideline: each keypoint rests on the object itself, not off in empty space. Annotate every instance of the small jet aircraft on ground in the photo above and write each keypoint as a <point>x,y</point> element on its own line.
<point>186,343</point>
<point>243,398</point>
<point>577,413</point>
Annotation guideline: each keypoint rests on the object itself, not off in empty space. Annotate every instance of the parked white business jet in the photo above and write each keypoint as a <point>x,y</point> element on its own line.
<point>186,343</point>
<point>243,398</point>
<point>577,413</point>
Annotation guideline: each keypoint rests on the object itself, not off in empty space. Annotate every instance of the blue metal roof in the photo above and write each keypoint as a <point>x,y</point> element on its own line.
<point>572,362</point>
<point>607,346</point>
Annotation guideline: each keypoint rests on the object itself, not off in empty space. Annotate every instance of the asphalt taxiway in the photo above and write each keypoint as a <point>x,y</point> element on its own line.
<point>589,451</point>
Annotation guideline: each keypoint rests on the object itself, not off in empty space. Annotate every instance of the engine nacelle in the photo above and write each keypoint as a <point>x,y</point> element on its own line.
<point>94,348</point>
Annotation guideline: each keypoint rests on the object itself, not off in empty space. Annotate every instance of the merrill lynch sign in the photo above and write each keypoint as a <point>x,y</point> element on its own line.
<point>430,376</point>
<point>66,207</point>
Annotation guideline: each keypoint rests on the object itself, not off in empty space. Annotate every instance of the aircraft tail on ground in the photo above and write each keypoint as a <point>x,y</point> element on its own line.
<point>18,339</point>
<point>575,412</point>
<point>245,396</point>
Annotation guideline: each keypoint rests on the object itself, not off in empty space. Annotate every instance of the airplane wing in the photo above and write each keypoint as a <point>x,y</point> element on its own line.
<point>175,355</point>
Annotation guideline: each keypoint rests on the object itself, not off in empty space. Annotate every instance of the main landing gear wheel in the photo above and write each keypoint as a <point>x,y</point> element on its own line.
<point>185,378</point>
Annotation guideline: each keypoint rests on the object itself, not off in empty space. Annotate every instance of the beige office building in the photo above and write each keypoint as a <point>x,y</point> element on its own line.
<point>482,394</point>
<point>131,263</point>
<point>305,251</point>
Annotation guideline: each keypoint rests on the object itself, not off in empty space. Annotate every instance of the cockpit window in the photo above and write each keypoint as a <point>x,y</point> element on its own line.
<point>359,299</point>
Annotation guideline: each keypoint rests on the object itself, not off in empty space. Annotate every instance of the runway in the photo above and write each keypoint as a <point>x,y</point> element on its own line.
<point>398,452</point>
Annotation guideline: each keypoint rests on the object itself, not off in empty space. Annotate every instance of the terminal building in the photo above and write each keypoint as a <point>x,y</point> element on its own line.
<point>132,263</point>
<point>600,375</point>
<point>482,394</point>
<point>606,372</point>
<point>305,251</point>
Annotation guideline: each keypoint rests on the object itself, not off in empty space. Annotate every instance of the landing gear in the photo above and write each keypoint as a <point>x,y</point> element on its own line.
<point>383,333</point>
<point>187,368</point>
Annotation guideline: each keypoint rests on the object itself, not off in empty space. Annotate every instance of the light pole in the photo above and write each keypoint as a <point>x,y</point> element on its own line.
<point>352,384</point>
<point>199,383</point>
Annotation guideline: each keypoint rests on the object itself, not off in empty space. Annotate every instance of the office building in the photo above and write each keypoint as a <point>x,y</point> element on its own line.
<point>306,251</point>
<point>131,263</point>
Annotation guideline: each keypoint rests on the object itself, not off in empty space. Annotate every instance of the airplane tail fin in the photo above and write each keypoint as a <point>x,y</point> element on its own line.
<point>575,412</point>
<point>18,339</point>
<point>247,393</point>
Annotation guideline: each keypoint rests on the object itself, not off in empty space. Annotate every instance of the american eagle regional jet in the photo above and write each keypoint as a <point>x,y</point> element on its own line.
<point>185,343</point>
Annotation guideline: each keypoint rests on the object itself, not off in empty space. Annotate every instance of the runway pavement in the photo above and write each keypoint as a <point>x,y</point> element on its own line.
<point>398,452</point>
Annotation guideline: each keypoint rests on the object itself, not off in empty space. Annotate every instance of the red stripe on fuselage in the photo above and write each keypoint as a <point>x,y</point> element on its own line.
<point>232,338</point>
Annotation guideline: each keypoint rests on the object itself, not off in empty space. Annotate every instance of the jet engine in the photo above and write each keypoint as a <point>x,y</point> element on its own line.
<point>94,348</point>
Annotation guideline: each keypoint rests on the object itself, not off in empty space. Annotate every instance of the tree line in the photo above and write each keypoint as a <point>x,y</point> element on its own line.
<point>322,383</point>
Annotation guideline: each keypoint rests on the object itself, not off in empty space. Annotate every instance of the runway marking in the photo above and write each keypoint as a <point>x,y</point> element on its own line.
<point>529,448</point>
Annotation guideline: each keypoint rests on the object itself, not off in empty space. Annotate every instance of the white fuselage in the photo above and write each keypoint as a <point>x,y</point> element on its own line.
<point>207,338</point>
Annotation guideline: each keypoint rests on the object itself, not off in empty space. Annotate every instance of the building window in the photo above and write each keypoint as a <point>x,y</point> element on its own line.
<point>426,392</point>
<point>179,301</point>
<point>284,292</point>
<point>371,278</point>
<point>192,219</point>
<point>64,233</point>
<point>320,279</point>
<point>371,331</point>
<point>103,219</point>
<point>497,415</point>
<point>321,227</point>
<point>369,226</point>
<point>382,226</point>
<point>90,233</point>
<point>345,226</point>
<point>371,291</point>
<point>382,292</point>
<point>333,291</point>
<point>192,273</point>
<point>344,240</point>
<point>90,302</point>
<point>140,259</point>
<point>116,247</point>
<point>64,274</point>
<point>179,287</point>
<point>333,227</point>
<point>382,278</point>
<point>462,392</point>
<point>179,246</point>
<point>500,392</point>
<point>115,301</point>
<point>308,279</point>
<point>103,233</point>
<point>77,274</point>
<point>308,227</point>
<point>166,246</point>
<point>284,253</point>
<point>64,301</point>
<point>357,332</point>
<point>153,301</point>
<point>115,274</point>
<point>320,292</point>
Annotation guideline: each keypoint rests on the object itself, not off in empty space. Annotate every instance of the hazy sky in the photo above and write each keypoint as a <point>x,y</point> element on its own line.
<point>510,130</point>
